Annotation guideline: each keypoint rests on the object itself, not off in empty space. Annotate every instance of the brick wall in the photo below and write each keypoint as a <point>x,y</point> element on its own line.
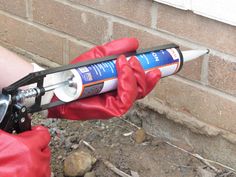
<point>56,31</point>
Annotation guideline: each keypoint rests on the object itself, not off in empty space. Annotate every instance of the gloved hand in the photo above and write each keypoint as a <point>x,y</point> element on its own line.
<point>133,84</point>
<point>26,154</point>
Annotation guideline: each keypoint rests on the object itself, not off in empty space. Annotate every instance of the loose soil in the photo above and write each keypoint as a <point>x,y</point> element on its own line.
<point>114,141</point>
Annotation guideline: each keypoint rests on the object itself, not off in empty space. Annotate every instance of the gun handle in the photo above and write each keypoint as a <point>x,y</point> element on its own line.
<point>24,123</point>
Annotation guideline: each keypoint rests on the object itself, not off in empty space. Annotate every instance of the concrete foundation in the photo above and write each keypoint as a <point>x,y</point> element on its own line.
<point>199,138</point>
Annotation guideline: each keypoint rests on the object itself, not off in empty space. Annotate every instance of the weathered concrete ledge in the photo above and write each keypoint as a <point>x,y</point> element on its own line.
<point>162,121</point>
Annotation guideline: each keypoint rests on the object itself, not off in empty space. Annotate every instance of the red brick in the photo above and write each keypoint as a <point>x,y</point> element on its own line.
<point>146,39</point>
<point>76,50</point>
<point>199,102</point>
<point>222,74</point>
<point>16,7</point>
<point>32,39</point>
<point>78,23</point>
<point>192,70</point>
<point>137,11</point>
<point>196,28</point>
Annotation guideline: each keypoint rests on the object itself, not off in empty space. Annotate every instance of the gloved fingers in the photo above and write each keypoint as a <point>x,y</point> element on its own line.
<point>127,84</point>
<point>115,47</point>
<point>152,77</point>
<point>7,138</point>
<point>42,134</point>
<point>120,46</point>
<point>140,76</point>
<point>145,82</point>
<point>38,137</point>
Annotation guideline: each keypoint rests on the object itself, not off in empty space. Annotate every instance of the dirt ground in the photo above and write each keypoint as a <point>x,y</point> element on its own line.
<point>114,141</point>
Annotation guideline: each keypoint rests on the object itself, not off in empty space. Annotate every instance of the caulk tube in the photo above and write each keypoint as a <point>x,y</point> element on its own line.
<point>101,77</point>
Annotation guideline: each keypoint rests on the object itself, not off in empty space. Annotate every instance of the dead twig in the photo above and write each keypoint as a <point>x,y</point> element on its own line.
<point>196,156</point>
<point>114,169</point>
<point>123,119</point>
<point>226,174</point>
<point>106,162</point>
<point>203,160</point>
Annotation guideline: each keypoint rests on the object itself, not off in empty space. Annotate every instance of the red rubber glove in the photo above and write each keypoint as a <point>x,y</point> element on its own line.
<point>26,154</point>
<point>133,84</point>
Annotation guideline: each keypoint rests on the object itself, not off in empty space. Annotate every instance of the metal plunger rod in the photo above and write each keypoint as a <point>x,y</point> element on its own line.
<point>60,84</point>
<point>33,92</point>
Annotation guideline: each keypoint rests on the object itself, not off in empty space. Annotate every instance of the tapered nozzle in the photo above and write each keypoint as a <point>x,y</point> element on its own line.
<point>193,54</point>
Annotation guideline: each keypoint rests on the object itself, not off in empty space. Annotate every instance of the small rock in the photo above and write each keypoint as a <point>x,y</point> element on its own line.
<point>140,136</point>
<point>68,143</point>
<point>73,139</point>
<point>103,126</point>
<point>134,174</point>
<point>93,136</point>
<point>75,146</point>
<point>78,163</point>
<point>59,157</point>
<point>52,174</point>
<point>72,133</point>
<point>90,174</point>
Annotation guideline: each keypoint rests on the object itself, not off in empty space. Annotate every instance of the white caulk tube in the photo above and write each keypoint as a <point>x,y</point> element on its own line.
<point>101,77</point>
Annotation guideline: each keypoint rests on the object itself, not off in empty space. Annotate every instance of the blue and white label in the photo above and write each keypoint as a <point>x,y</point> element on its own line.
<point>161,59</point>
<point>102,77</point>
<point>98,72</point>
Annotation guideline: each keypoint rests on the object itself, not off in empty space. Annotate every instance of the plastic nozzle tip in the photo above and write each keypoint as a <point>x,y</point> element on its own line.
<point>193,54</point>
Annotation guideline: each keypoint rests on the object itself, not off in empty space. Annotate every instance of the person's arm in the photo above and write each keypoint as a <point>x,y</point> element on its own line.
<point>12,67</point>
<point>26,154</point>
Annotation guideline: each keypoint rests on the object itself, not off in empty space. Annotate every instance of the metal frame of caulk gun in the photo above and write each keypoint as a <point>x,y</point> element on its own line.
<point>16,117</point>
